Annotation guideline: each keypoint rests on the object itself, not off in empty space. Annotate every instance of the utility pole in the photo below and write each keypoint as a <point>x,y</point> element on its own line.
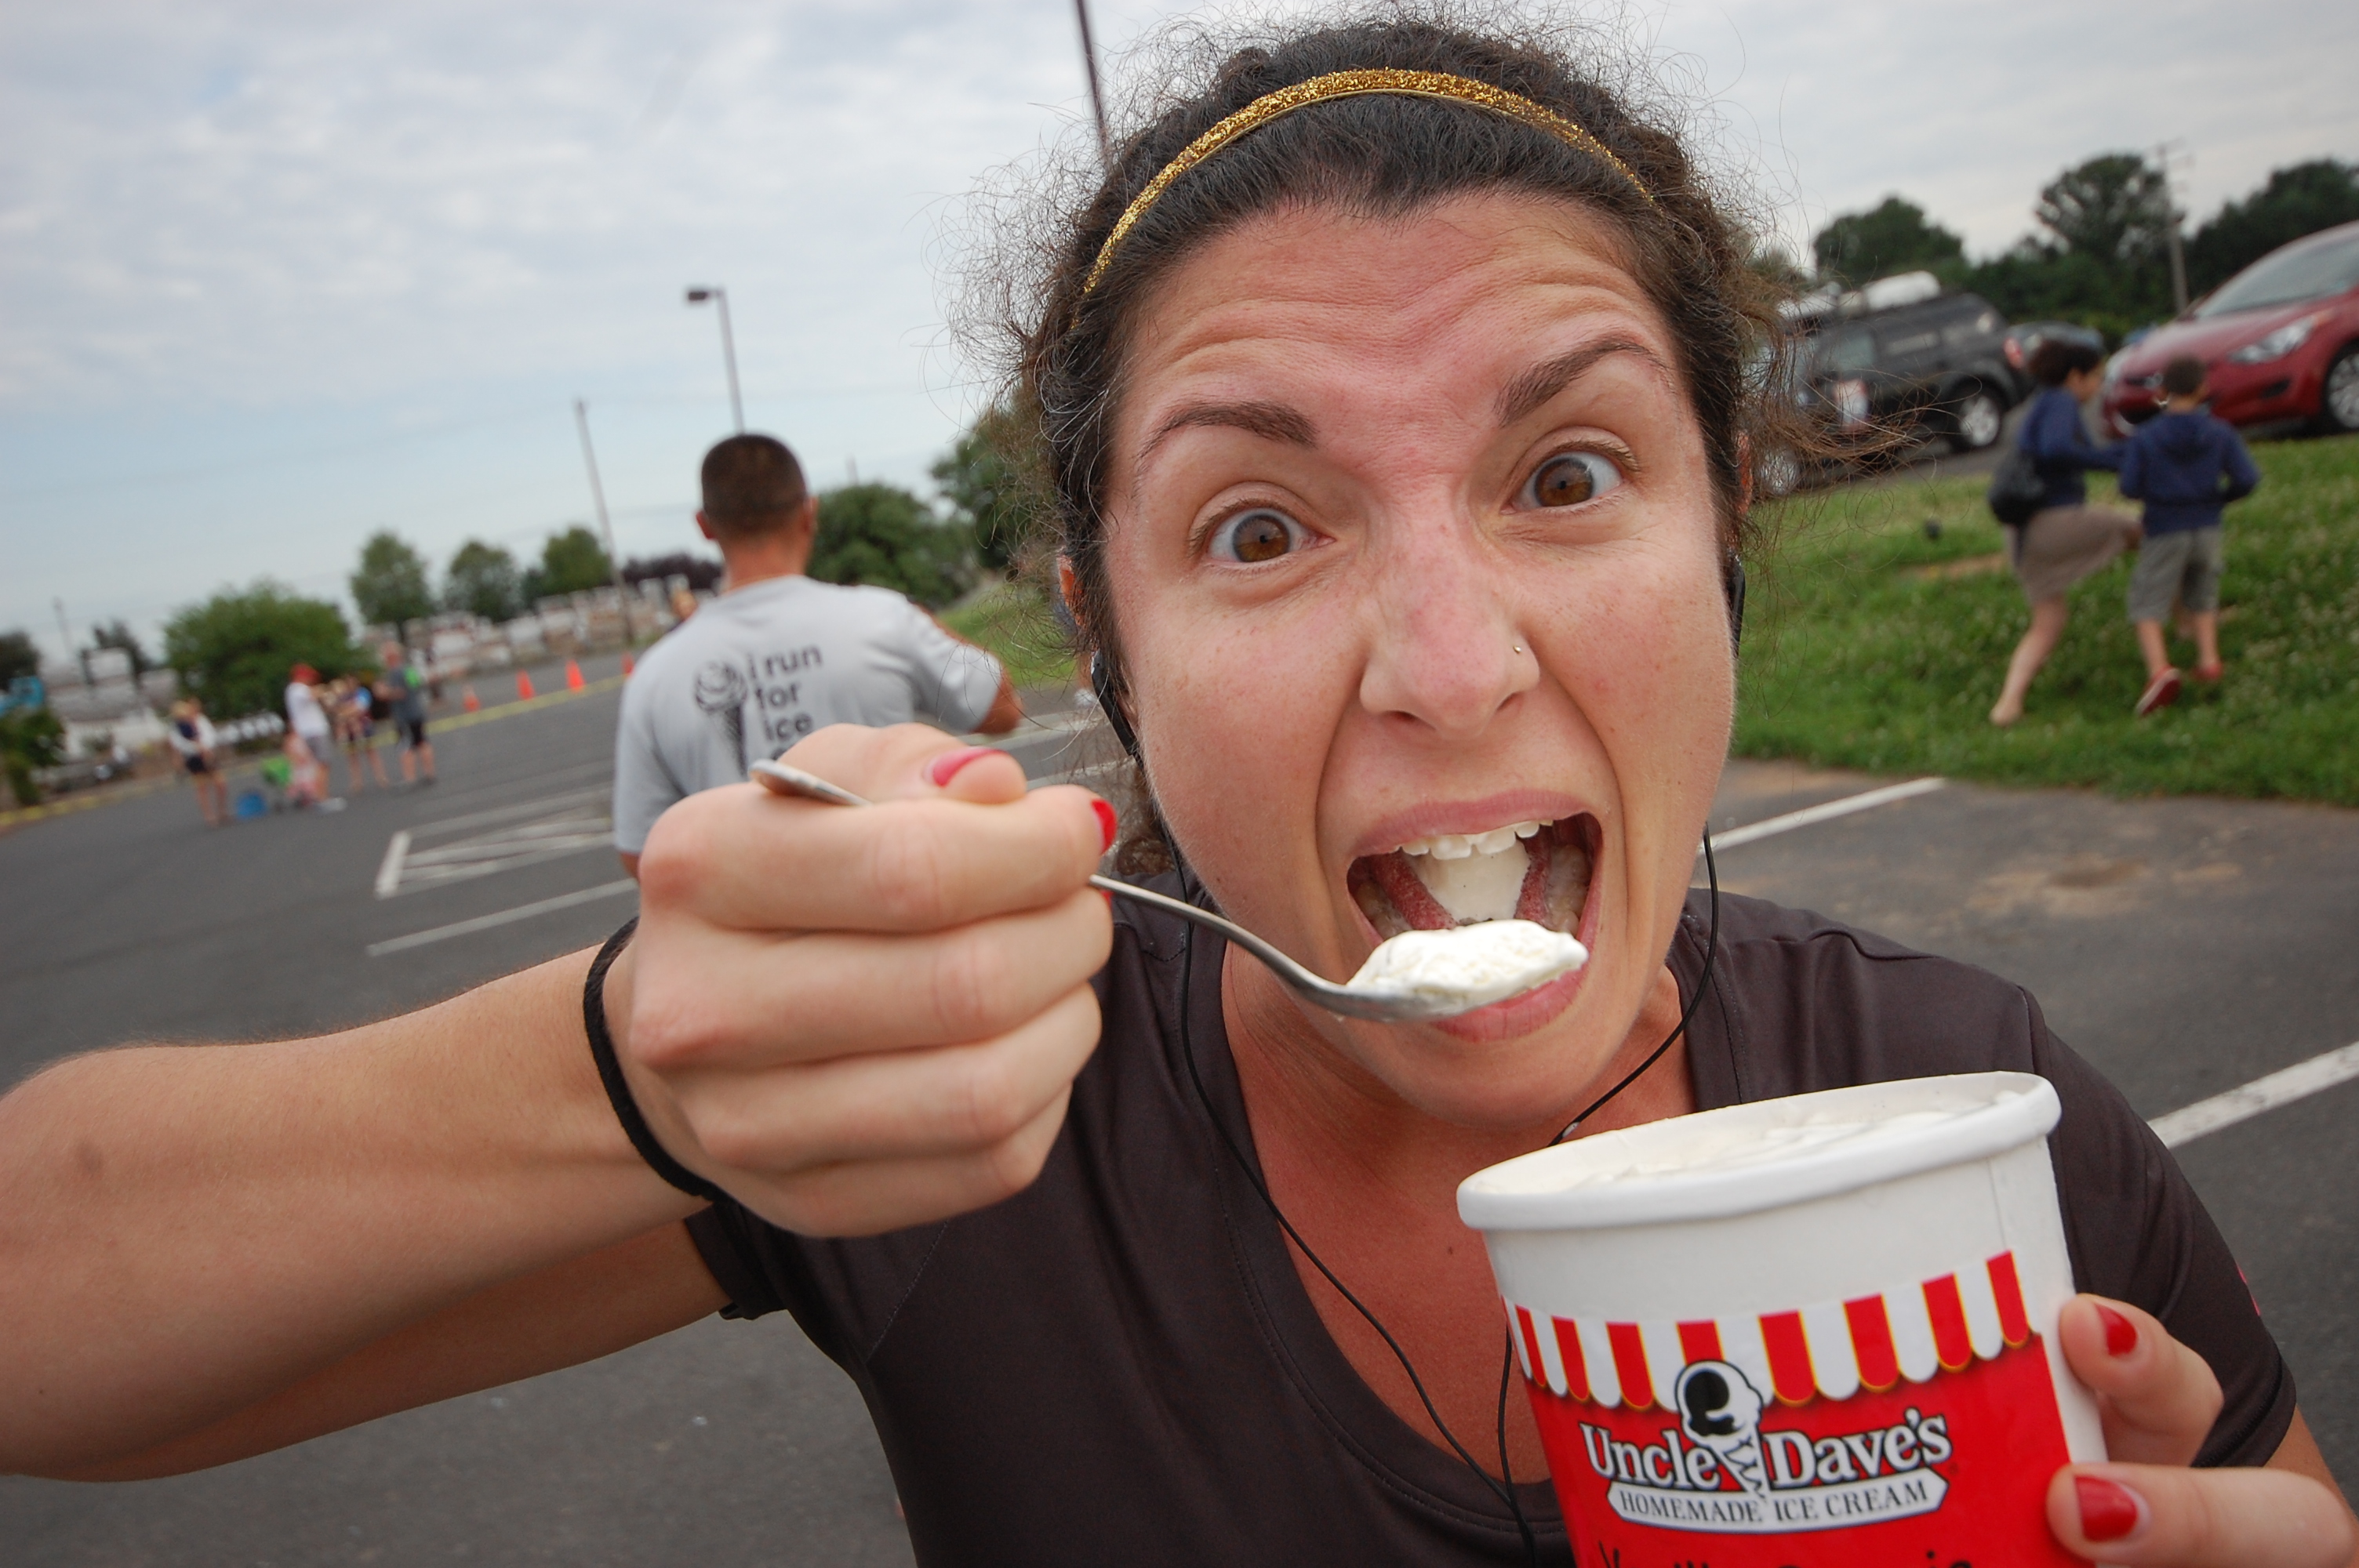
<point>2164,156</point>
<point>720,297</point>
<point>1097,95</point>
<point>598,496</point>
<point>65,638</point>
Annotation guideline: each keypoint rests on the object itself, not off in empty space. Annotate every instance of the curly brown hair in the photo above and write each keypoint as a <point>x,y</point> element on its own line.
<point>1686,242</point>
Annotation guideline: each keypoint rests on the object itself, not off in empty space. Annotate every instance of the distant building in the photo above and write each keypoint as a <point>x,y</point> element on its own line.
<point>103,706</point>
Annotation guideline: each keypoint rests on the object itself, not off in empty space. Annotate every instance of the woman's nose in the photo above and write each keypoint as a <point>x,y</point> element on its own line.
<point>1446,652</point>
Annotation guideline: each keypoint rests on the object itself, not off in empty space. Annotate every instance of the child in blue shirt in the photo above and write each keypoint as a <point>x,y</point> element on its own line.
<point>2186,465</point>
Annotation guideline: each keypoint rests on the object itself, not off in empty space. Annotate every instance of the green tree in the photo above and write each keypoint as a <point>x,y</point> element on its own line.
<point>234,651</point>
<point>571,562</point>
<point>2036,281</point>
<point>990,477</point>
<point>2297,200</point>
<point>29,737</point>
<point>1895,236</point>
<point>882,534</point>
<point>18,657</point>
<point>2102,261</point>
<point>2111,208</point>
<point>483,579</point>
<point>118,634</point>
<point>389,586</point>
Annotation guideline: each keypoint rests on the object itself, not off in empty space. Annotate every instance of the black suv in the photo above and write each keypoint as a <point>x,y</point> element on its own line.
<point>1936,369</point>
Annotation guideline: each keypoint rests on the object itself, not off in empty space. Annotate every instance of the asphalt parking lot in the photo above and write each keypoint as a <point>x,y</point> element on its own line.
<point>2185,946</point>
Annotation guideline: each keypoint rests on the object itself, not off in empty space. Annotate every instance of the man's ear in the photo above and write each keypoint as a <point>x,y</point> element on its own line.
<point>705,528</point>
<point>1069,587</point>
<point>806,517</point>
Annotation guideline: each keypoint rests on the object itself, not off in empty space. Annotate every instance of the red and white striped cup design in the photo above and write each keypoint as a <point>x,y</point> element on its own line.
<point>1848,1356</point>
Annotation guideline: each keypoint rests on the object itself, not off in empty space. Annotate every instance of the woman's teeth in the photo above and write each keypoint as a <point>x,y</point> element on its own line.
<point>1479,882</point>
<point>1525,871</point>
<point>1460,846</point>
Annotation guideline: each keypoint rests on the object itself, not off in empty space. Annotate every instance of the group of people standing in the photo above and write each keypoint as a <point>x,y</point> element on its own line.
<point>322,716</point>
<point>2186,464</point>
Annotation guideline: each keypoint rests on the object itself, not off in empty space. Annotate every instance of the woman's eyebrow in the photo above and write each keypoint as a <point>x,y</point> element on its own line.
<point>1532,389</point>
<point>1272,421</point>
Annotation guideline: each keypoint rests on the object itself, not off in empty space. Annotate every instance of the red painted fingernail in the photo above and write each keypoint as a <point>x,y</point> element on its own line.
<point>944,768</point>
<point>1108,823</point>
<point>2109,1510</point>
<point>2121,1334</point>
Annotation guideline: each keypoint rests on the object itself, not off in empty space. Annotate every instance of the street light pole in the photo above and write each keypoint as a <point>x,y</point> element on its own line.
<point>1097,95</point>
<point>2163,156</point>
<point>598,497</point>
<point>720,297</point>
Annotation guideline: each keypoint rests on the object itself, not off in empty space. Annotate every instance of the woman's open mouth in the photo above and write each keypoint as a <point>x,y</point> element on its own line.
<point>1524,871</point>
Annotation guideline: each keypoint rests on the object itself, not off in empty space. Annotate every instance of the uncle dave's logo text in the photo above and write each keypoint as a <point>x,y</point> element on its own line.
<point>1719,1470</point>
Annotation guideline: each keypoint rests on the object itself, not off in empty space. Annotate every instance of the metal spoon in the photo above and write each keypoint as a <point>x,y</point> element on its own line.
<point>1384,1006</point>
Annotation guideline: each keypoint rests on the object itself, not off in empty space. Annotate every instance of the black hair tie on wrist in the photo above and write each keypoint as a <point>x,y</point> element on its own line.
<point>618,1088</point>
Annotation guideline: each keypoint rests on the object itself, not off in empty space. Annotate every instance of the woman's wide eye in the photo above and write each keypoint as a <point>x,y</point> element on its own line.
<point>1569,478</point>
<point>1258,535</point>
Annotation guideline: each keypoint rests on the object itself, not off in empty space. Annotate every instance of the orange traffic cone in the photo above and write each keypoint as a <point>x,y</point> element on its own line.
<point>473,703</point>
<point>628,664</point>
<point>524,686</point>
<point>573,676</point>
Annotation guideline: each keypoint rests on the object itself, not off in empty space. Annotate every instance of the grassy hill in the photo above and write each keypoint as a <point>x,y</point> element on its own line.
<point>1871,645</point>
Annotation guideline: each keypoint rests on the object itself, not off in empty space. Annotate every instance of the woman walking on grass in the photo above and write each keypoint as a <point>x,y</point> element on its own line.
<point>2066,539</point>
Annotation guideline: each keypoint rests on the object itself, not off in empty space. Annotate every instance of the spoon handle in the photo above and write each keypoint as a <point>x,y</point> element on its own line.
<point>782,779</point>
<point>1293,973</point>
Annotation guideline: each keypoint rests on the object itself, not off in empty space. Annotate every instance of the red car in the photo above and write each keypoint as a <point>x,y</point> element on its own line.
<point>2280,342</point>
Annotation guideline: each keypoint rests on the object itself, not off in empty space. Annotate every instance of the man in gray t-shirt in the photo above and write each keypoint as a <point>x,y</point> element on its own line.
<point>781,655</point>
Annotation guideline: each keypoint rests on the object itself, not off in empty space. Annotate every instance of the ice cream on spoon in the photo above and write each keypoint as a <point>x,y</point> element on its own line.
<point>1412,975</point>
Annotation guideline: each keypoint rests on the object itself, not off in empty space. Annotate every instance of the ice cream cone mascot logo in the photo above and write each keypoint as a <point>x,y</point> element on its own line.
<point>1718,1471</point>
<point>1720,1410</point>
<point>721,691</point>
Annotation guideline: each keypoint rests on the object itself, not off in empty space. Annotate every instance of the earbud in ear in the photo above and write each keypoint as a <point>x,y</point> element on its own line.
<point>1110,704</point>
<point>1732,582</point>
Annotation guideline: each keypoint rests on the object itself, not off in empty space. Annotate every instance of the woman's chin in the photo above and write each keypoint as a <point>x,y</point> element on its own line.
<point>1527,1013</point>
<point>1500,1068</point>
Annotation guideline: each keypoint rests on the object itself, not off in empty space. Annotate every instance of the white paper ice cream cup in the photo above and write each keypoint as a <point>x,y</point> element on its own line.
<point>1820,1329</point>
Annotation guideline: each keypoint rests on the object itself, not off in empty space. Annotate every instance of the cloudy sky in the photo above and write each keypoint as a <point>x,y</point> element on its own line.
<point>274,274</point>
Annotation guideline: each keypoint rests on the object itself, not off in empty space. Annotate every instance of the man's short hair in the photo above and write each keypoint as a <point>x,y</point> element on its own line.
<point>752,485</point>
<point>2059,357</point>
<point>2183,377</point>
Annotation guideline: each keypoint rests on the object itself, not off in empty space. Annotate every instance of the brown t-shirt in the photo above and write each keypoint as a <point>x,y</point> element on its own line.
<point>1120,1365</point>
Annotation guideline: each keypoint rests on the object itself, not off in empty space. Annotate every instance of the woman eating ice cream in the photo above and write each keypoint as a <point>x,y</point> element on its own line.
<point>1395,406</point>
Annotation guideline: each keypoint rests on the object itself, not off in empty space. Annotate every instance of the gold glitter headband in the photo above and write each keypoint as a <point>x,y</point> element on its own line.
<point>1353,84</point>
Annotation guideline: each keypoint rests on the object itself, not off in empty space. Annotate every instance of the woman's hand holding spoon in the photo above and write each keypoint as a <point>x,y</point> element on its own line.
<point>855,1021</point>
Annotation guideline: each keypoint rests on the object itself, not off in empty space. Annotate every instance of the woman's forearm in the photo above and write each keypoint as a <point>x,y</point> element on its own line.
<point>186,1231</point>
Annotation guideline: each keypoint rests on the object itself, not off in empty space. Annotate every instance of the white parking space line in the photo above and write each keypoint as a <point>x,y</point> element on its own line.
<point>521,808</point>
<point>455,794</point>
<point>2297,1082</point>
<point>503,917</point>
<point>508,839</point>
<point>388,871</point>
<point>1810,815</point>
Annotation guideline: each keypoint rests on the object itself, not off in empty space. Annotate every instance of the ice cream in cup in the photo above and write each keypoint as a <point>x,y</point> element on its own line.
<point>1819,1328</point>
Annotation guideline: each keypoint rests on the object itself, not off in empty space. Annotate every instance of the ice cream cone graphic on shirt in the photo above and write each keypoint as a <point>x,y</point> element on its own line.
<point>721,691</point>
<point>1721,1410</point>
